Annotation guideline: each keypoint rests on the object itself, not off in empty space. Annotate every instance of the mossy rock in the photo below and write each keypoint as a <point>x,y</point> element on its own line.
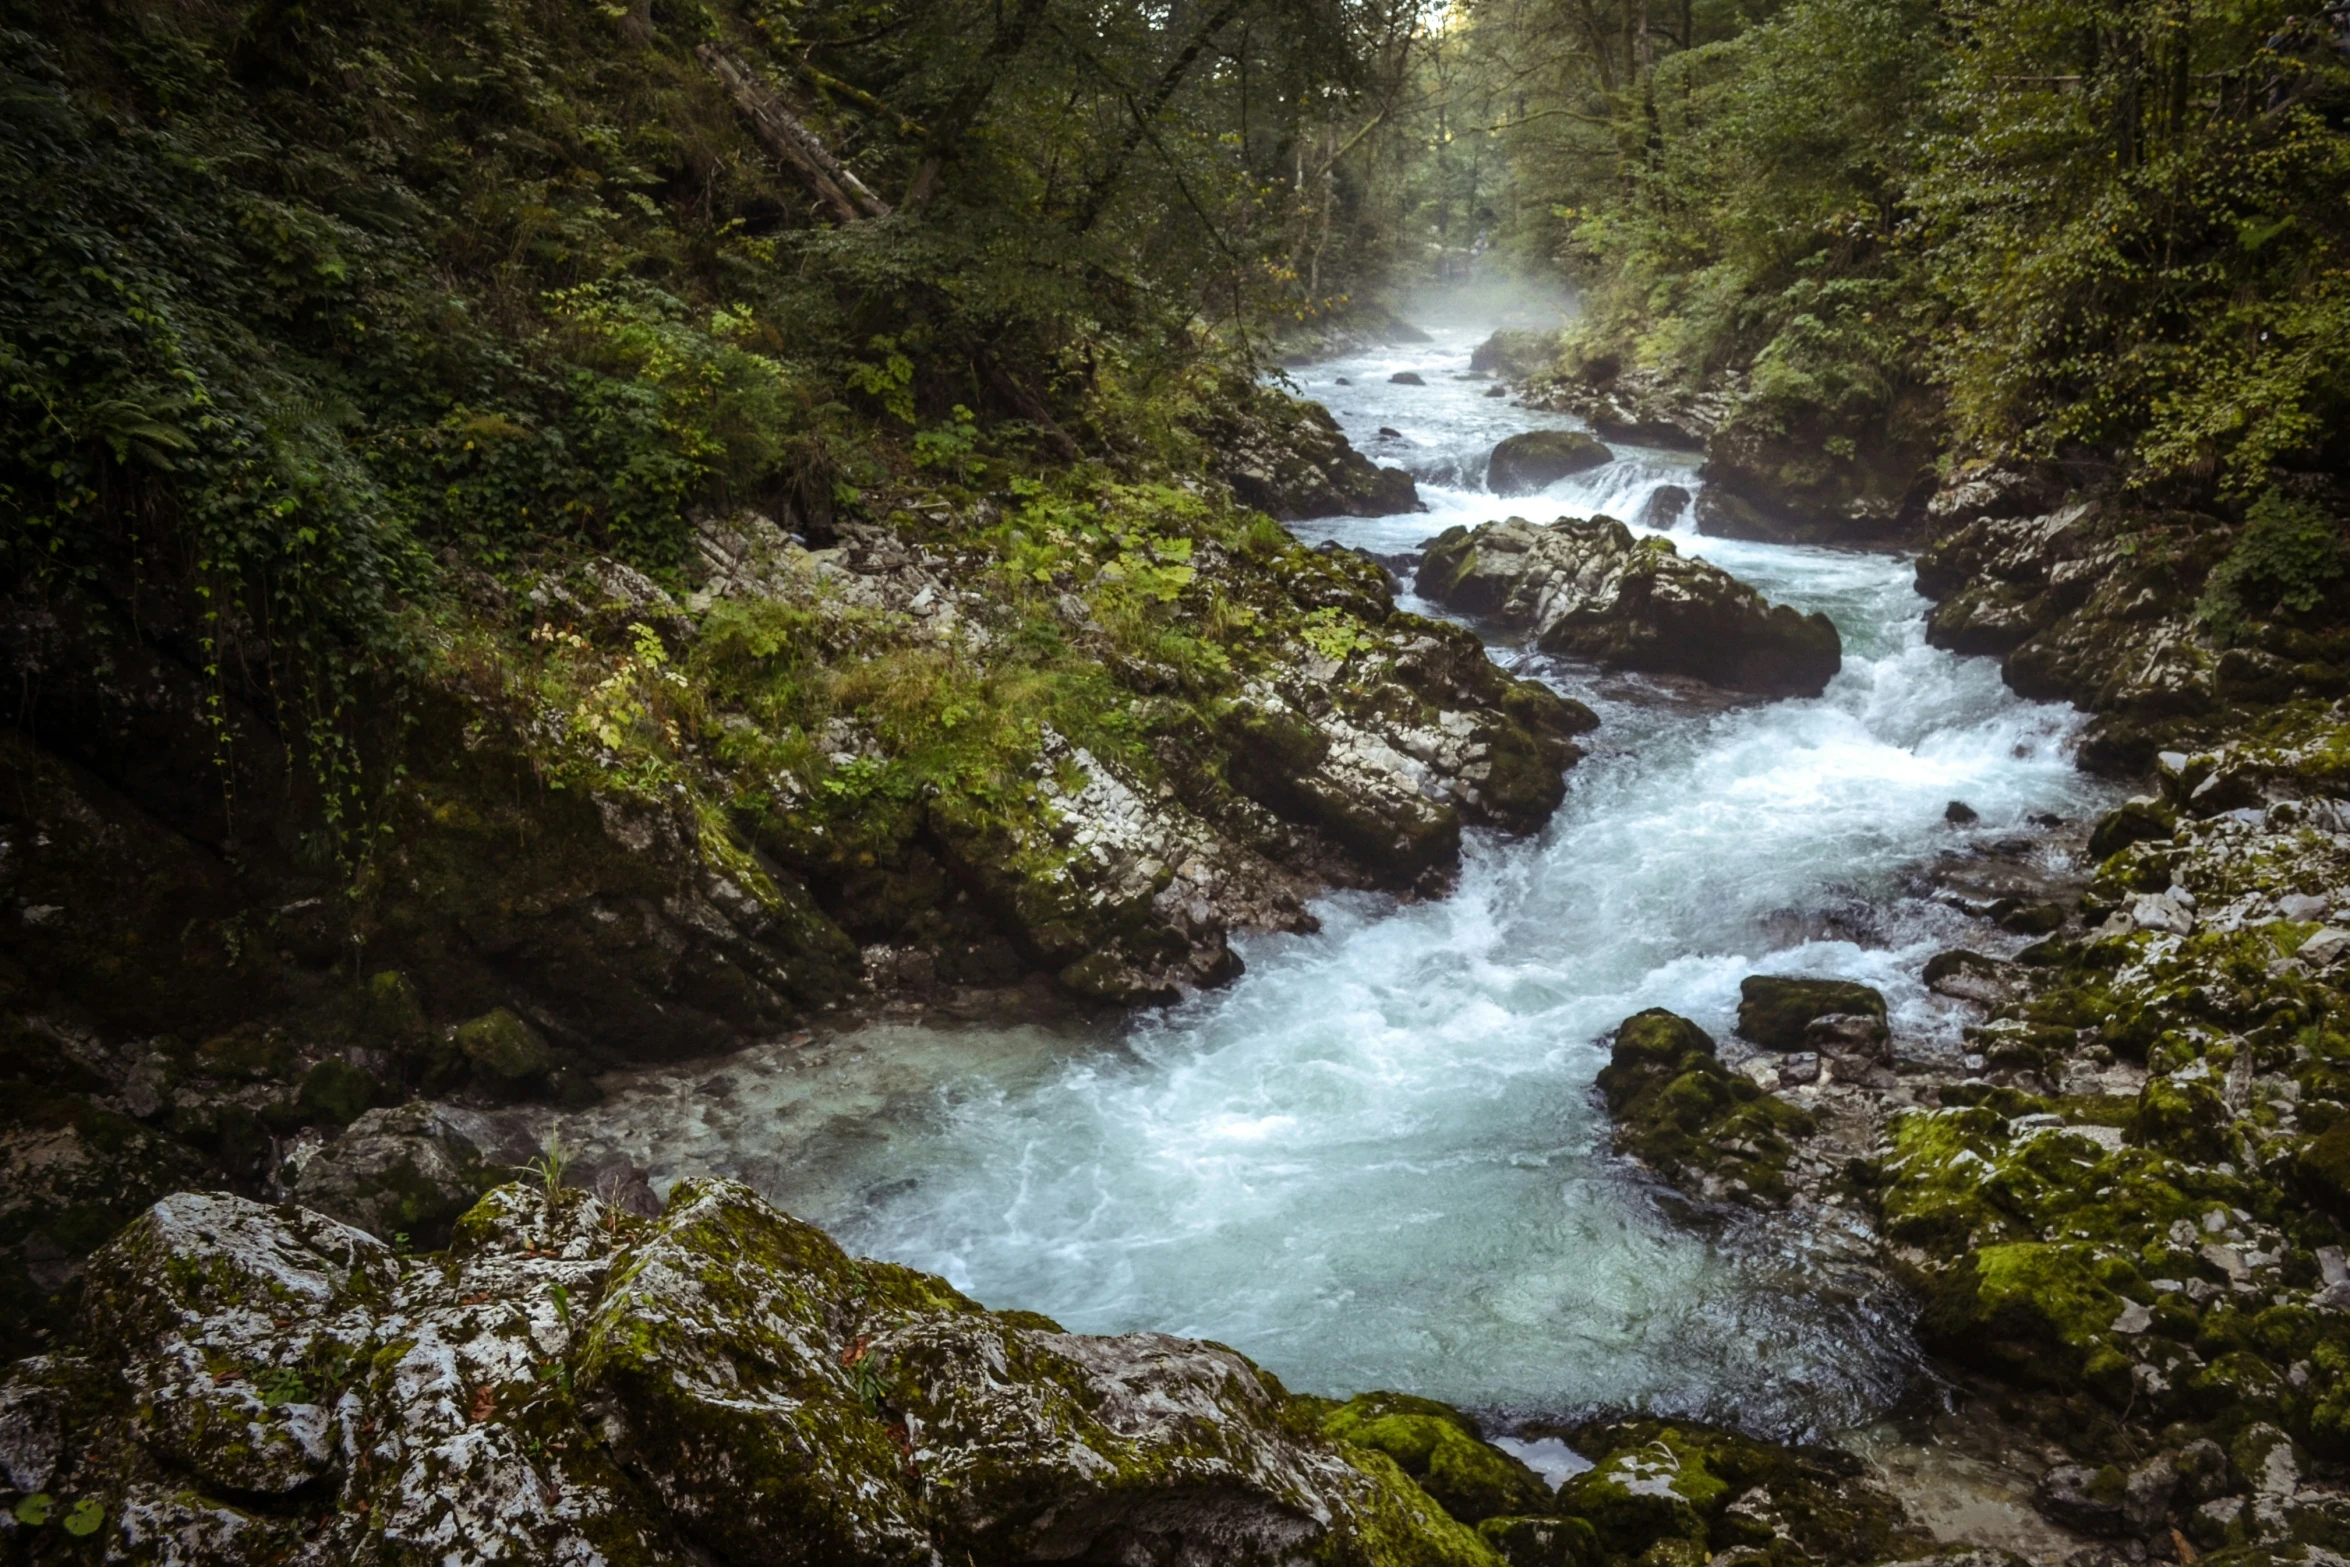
<point>2131,822</point>
<point>2185,1117</point>
<point>1773,1010</point>
<point>71,1176</point>
<point>1542,1541</point>
<point>408,1172</point>
<point>1713,1490</point>
<point>1681,1112</point>
<point>2030,1310</point>
<point>2322,1170</point>
<point>503,1048</point>
<point>1440,1449</point>
<point>1536,459</point>
<point>261,1299</point>
<point>336,1092</point>
<point>1640,1495</point>
<point>391,1012</point>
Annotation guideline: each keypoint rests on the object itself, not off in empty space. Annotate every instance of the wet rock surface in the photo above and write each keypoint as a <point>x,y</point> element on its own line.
<point>1536,459</point>
<point>2104,604</point>
<point>720,1383</point>
<point>568,1383</point>
<point>2124,1213</point>
<point>1589,588</point>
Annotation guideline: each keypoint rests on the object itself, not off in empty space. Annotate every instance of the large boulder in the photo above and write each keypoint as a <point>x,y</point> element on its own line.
<point>1590,588</point>
<point>571,1384</point>
<point>1802,474</point>
<point>1515,353</point>
<point>1540,458</point>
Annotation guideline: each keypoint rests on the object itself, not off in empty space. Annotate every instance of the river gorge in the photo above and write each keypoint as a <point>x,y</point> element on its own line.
<point>1375,1159</point>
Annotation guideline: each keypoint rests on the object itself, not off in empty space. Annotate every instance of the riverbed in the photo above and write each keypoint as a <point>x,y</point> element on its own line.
<point>1374,1160</point>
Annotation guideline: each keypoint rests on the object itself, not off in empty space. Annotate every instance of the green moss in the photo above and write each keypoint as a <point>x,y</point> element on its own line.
<point>337,1092</point>
<point>1438,1447</point>
<point>1680,1111</point>
<point>2033,1311</point>
<point>1638,1495</point>
<point>2323,1169</point>
<point>1396,1524</point>
<point>503,1048</point>
<point>2187,1118</point>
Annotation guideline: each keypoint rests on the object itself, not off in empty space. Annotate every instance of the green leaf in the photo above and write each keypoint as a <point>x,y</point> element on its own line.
<point>34,1510</point>
<point>87,1515</point>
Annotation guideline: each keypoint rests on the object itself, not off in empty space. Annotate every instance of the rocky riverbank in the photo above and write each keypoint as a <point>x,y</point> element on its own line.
<point>719,1383</point>
<point>2123,1214</point>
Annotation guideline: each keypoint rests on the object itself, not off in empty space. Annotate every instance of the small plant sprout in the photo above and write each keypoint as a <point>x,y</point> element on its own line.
<point>554,1158</point>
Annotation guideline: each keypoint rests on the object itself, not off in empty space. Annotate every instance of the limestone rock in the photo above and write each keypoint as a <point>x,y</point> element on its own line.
<point>2140,820</point>
<point>1631,403</point>
<point>773,1401</point>
<point>1681,1112</point>
<point>1537,459</point>
<point>1589,588</point>
<point>1288,457</point>
<point>222,1311</point>
<point>1807,475</point>
<point>1970,976</point>
<point>1438,1447</point>
<point>1515,352</point>
<point>2082,1498</point>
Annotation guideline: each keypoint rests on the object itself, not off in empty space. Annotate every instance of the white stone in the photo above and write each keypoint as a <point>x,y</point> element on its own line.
<point>2324,948</point>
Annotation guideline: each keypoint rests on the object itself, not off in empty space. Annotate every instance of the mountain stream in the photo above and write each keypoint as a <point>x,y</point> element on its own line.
<point>1374,1160</point>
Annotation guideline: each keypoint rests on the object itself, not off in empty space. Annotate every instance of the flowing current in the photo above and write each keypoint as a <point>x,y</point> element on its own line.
<point>1374,1161</point>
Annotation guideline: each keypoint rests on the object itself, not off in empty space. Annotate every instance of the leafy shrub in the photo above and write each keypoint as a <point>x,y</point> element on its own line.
<point>2286,560</point>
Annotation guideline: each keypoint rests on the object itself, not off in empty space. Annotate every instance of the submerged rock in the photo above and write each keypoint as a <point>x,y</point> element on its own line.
<point>569,1384</point>
<point>1537,459</point>
<point>1588,587</point>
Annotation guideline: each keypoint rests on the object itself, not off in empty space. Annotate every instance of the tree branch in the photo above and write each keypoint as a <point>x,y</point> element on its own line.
<point>794,145</point>
<point>1097,194</point>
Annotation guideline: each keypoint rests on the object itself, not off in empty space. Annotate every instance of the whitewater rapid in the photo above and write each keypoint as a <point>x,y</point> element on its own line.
<point>1374,1161</point>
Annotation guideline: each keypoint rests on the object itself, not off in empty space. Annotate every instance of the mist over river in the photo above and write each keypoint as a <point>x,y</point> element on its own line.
<point>1374,1161</point>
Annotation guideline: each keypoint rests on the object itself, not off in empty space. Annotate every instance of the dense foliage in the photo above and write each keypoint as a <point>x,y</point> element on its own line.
<point>312,313</point>
<point>2111,234</point>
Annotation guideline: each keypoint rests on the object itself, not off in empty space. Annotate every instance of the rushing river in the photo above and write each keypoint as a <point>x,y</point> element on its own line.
<point>1374,1160</point>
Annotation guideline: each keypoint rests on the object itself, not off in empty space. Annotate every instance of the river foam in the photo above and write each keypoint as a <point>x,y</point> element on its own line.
<point>1374,1161</point>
